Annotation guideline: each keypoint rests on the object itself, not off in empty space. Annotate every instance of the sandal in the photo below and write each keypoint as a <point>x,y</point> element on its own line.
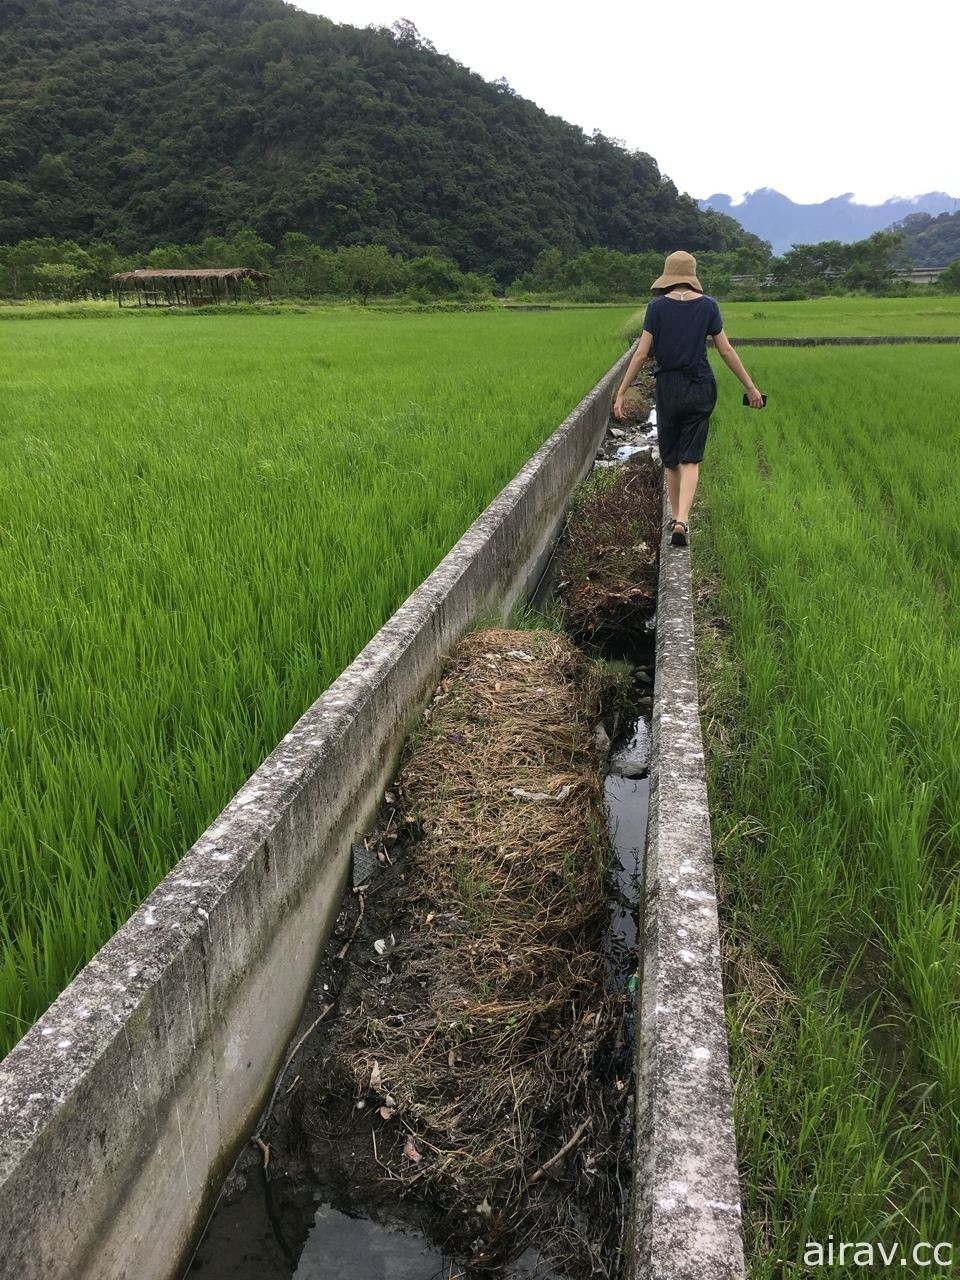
<point>678,537</point>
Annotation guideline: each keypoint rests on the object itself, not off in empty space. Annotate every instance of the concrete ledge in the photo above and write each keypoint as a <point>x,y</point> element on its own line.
<point>124,1107</point>
<point>880,340</point>
<point>686,1212</point>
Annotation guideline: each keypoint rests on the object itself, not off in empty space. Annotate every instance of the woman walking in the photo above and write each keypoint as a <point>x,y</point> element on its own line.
<point>675,328</point>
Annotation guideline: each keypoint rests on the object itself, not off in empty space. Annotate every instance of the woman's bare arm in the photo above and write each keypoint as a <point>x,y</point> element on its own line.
<point>733,362</point>
<point>643,349</point>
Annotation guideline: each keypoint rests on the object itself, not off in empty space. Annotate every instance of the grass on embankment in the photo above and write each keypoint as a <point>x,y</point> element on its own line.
<point>827,547</point>
<point>202,523</point>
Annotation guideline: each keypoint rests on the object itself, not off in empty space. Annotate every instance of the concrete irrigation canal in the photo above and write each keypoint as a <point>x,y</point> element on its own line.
<point>210,1024</point>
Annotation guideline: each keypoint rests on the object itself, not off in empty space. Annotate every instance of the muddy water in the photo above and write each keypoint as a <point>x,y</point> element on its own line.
<point>245,1241</point>
<point>271,1233</point>
<point>342,1246</point>
<point>627,802</point>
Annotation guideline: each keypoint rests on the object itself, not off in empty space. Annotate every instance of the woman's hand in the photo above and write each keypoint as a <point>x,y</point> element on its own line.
<point>754,398</point>
<point>618,407</point>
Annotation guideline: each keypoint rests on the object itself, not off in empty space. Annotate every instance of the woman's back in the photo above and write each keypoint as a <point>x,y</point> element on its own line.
<point>679,330</point>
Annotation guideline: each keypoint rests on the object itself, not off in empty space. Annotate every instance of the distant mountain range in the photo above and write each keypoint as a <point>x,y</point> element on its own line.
<point>775,217</point>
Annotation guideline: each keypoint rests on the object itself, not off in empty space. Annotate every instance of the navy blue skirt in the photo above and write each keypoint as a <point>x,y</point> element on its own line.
<point>684,407</point>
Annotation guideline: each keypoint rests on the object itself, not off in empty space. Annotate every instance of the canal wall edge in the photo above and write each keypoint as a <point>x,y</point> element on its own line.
<point>686,1220</point>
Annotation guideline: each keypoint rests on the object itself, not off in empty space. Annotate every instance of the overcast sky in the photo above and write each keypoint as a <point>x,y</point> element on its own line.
<point>814,99</point>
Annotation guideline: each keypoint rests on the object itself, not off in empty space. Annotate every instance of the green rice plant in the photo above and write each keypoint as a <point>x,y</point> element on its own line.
<point>830,317</point>
<point>200,527</point>
<point>830,530</point>
<point>844,317</point>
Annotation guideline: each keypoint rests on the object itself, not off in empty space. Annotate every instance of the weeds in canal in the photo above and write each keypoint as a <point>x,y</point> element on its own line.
<point>830,665</point>
<point>201,524</point>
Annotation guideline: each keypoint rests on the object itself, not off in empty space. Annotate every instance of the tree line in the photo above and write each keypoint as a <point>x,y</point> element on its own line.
<point>809,270</point>
<point>62,270</point>
<point>45,268</point>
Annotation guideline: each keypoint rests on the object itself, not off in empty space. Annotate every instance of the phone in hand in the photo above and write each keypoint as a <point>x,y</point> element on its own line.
<point>746,399</point>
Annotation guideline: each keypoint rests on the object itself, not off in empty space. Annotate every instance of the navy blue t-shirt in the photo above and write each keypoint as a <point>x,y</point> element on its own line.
<point>680,334</point>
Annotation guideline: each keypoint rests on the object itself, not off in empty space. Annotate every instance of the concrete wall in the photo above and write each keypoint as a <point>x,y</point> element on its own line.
<point>686,1212</point>
<point>883,340</point>
<point>124,1107</point>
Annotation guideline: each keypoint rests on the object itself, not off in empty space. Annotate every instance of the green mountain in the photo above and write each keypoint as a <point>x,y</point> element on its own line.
<point>931,242</point>
<point>146,122</point>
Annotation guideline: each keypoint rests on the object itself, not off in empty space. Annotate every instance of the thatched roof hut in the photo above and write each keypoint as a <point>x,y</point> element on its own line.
<point>183,287</point>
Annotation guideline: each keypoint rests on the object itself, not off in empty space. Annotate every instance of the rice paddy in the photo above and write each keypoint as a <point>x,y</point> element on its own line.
<point>928,315</point>
<point>827,550</point>
<point>203,522</point>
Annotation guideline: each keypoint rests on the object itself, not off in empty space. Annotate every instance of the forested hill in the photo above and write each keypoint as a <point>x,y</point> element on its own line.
<point>146,122</point>
<point>931,242</point>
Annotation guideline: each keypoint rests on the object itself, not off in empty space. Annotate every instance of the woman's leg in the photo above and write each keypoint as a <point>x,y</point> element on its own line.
<point>688,473</point>
<point>673,488</point>
<point>703,401</point>
<point>683,417</point>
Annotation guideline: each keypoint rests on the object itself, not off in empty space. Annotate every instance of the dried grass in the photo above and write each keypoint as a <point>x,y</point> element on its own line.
<point>640,397</point>
<point>761,1001</point>
<point>488,1046</point>
<point>607,563</point>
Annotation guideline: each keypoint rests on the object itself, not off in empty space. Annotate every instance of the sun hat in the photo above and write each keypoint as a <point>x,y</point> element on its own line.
<point>678,268</point>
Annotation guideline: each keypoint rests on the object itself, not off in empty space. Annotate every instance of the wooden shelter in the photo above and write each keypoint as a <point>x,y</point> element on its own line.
<point>179,287</point>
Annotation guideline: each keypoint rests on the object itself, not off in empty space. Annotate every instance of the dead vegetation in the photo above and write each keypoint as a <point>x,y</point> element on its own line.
<point>485,1066</point>
<point>607,561</point>
<point>474,1079</point>
<point>640,397</point>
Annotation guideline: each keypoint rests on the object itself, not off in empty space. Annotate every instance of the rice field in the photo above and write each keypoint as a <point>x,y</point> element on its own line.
<point>827,547</point>
<point>925,316</point>
<point>203,521</point>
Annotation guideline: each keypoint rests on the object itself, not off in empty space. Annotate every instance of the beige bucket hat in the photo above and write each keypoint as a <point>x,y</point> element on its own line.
<point>678,268</point>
